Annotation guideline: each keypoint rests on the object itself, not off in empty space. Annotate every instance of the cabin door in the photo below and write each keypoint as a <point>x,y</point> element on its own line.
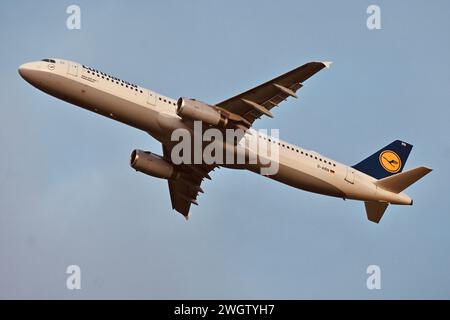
<point>350,177</point>
<point>151,98</point>
<point>72,69</point>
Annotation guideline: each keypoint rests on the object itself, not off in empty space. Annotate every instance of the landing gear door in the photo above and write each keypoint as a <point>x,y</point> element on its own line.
<point>73,69</point>
<point>151,98</point>
<point>350,177</point>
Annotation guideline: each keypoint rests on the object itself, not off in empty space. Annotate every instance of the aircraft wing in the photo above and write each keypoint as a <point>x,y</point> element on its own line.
<point>258,101</point>
<point>184,190</point>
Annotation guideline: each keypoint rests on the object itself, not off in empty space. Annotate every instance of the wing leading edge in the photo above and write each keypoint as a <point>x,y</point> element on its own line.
<point>258,101</point>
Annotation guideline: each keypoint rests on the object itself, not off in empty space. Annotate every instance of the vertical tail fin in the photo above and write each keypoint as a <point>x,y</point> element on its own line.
<point>386,161</point>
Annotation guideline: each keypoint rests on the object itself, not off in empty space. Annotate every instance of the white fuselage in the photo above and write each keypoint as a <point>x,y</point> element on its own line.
<point>156,114</point>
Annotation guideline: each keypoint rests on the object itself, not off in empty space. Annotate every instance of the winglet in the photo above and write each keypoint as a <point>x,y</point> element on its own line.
<point>327,64</point>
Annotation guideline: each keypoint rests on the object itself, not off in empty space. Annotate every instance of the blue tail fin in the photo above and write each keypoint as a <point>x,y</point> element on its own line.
<point>387,161</point>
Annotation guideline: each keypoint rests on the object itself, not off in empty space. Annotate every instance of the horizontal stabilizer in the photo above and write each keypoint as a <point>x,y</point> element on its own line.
<point>400,181</point>
<point>375,210</point>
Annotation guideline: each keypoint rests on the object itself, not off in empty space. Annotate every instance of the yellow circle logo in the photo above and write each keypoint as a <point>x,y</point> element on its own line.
<point>390,161</point>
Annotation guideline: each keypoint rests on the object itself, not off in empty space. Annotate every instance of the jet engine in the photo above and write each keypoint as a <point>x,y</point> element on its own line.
<point>153,165</point>
<point>197,110</point>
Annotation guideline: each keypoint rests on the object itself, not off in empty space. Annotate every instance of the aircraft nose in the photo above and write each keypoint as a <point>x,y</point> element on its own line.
<point>25,70</point>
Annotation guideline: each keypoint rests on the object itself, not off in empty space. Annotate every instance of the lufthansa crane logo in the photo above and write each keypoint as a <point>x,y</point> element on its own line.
<point>390,161</point>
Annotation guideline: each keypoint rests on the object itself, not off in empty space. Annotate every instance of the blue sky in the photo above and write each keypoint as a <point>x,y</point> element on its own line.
<point>68,195</point>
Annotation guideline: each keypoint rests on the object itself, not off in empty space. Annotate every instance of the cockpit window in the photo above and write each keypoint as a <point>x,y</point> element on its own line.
<point>49,60</point>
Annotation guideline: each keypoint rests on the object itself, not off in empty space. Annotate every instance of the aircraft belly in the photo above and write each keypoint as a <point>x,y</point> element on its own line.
<point>104,103</point>
<point>306,181</point>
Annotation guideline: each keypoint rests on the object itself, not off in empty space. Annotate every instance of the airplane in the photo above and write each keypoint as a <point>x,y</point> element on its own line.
<point>378,180</point>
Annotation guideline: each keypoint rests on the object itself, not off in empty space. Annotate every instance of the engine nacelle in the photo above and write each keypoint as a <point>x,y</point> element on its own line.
<point>197,110</point>
<point>153,165</point>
